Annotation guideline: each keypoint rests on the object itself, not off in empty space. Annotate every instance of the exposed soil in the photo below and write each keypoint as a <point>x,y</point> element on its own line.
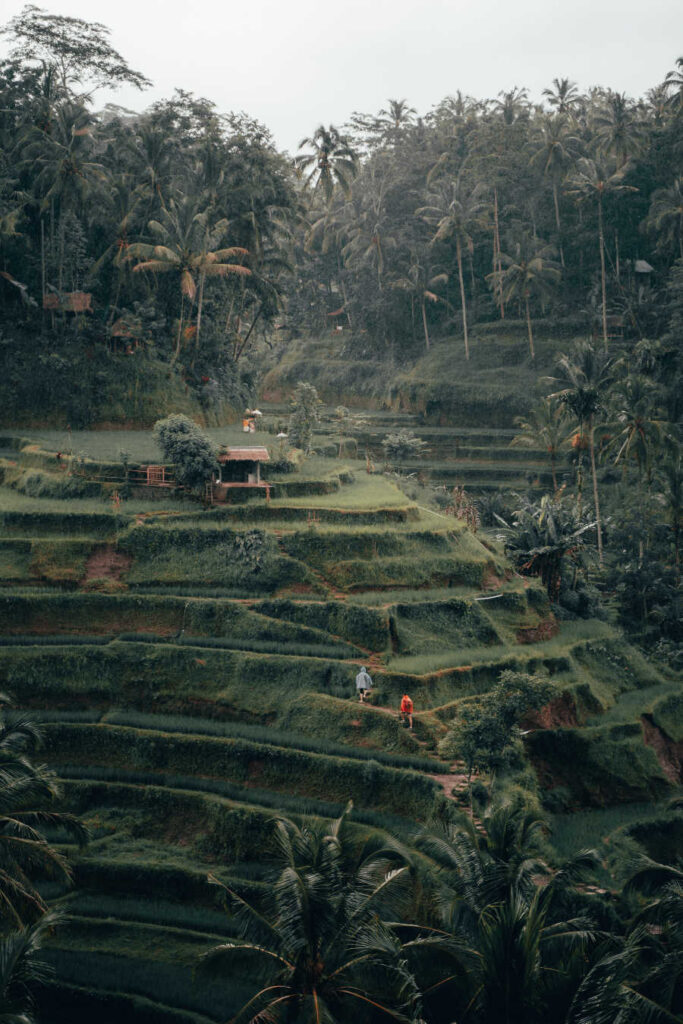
<point>106,563</point>
<point>669,754</point>
<point>560,713</point>
<point>535,634</point>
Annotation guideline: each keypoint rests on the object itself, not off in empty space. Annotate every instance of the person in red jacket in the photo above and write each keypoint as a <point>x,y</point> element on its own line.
<point>407,710</point>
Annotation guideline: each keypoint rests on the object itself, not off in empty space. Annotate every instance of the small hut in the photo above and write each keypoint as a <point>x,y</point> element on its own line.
<point>240,467</point>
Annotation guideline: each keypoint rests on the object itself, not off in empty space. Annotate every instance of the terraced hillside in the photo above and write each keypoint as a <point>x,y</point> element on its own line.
<point>195,673</point>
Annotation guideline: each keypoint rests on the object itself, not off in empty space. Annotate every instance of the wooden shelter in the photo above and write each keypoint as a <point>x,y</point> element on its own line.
<point>240,467</point>
<point>68,302</point>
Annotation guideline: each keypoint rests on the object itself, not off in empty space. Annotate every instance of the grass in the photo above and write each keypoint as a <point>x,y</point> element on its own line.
<point>369,491</point>
<point>630,705</point>
<point>586,829</point>
<point>105,445</point>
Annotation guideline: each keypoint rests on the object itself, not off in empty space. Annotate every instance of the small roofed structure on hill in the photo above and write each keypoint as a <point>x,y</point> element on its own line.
<point>240,467</point>
<point>68,302</point>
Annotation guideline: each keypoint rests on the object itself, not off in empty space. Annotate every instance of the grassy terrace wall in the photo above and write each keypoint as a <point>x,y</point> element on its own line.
<point>369,784</point>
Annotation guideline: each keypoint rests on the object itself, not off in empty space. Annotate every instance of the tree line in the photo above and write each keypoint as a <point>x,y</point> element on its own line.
<point>192,238</point>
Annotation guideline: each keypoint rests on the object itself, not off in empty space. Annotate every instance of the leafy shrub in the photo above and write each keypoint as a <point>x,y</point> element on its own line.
<point>36,483</point>
<point>304,416</point>
<point>401,445</point>
<point>191,451</point>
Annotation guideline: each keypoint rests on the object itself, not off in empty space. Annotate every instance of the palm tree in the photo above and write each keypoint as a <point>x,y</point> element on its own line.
<point>512,104</point>
<point>124,202</point>
<point>674,84</point>
<point>24,851</point>
<point>530,273</point>
<point>331,162</point>
<point>547,427</point>
<point>514,950</point>
<point>21,968</point>
<point>556,151</point>
<point>637,431</point>
<point>666,215</point>
<point>188,250</point>
<point>564,96</point>
<point>455,212</point>
<point>321,944</point>
<point>67,176</point>
<point>618,130</point>
<point>593,183</point>
<point>419,282</point>
<point>584,380</point>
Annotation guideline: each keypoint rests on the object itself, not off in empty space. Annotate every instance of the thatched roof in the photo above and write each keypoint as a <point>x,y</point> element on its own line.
<point>256,453</point>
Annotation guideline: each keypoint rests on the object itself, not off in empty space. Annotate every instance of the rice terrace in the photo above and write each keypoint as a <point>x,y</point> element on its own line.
<point>340,520</point>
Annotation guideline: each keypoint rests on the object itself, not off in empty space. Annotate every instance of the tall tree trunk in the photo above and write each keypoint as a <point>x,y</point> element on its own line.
<point>497,264</point>
<point>528,325</point>
<point>458,252</point>
<point>591,438</point>
<point>557,222</point>
<point>552,469</point>
<point>424,322</point>
<point>200,303</point>
<point>602,272</point>
<point>42,268</point>
<point>180,329</point>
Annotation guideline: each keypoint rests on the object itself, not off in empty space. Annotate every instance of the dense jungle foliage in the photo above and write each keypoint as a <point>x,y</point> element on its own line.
<point>192,239</point>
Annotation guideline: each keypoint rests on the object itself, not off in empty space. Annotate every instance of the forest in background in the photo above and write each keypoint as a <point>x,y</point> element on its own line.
<point>203,250</point>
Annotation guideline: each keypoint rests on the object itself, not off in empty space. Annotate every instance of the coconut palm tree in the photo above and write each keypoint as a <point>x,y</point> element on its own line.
<point>592,183</point>
<point>564,96</point>
<point>321,945</point>
<point>665,216</point>
<point>24,851</point>
<point>674,85</point>
<point>618,129</point>
<point>514,949</point>
<point>455,211</point>
<point>547,427</point>
<point>21,968</point>
<point>582,385</point>
<point>187,249</point>
<point>124,203</point>
<point>331,161</point>
<point>529,273</point>
<point>636,428</point>
<point>67,176</point>
<point>419,282</point>
<point>555,150</point>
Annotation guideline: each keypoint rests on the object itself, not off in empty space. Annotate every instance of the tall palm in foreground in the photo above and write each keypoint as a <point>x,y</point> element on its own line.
<point>20,969</point>
<point>547,427</point>
<point>455,211</point>
<point>582,385</point>
<point>187,249</point>
<point>515,954</point>
<point>24,852</point>
<point>320,945</point>
<point>530,273</point>
<point>331,161</point>
<point>592,183</point>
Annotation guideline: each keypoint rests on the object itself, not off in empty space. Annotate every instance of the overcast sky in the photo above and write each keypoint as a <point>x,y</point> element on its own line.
<point>296,63</point>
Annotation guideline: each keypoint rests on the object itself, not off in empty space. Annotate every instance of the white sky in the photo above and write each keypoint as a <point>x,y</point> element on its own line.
<point>296,63</point>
